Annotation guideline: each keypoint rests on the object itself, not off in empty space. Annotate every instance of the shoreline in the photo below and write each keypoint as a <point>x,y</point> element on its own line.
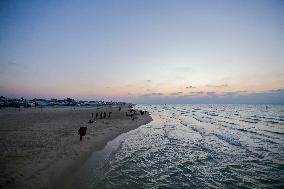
<point>48,159</point>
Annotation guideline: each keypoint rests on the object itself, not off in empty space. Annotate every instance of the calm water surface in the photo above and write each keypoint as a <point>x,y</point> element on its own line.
<point>195,146</point>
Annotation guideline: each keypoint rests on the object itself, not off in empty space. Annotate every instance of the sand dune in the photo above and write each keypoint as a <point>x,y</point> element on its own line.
<point>40,148</point>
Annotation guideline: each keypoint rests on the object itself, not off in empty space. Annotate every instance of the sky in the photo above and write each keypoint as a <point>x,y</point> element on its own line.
<point>143,51</point>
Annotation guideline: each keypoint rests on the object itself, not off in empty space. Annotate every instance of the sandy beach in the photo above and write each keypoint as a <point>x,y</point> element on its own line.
<point>40,148</point>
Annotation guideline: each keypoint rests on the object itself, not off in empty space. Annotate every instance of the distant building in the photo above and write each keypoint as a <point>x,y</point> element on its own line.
<point>21,102</point>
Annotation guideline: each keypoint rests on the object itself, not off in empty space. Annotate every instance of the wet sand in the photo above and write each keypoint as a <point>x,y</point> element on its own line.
<point>40,148</point>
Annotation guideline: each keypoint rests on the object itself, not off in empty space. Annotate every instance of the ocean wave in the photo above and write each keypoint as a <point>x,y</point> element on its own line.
<point>274,132</point>
<point>248,121</point>
<point>229,139</point>
<point>197,130</point>
<point>201,150</point>
<point>272,122</point>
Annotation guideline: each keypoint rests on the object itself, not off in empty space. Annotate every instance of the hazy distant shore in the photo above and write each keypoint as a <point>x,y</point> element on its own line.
<point>40,148</point>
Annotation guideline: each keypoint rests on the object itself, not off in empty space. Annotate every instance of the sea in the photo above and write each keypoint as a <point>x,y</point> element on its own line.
<point>194,146</point>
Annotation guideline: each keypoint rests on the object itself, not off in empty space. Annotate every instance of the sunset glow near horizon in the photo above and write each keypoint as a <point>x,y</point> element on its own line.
<point>143,51</point>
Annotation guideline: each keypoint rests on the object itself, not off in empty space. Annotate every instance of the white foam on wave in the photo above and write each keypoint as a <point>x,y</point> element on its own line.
<point>229,139</point>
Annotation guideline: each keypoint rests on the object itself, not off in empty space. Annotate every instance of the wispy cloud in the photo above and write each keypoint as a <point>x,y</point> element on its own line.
<point>11,63</point>
<point>11,66</point>
<point>190,87</point>
<point>276,91</point>
<point>152,94</point>
<point>234,93</point>
<point>140,84</point>
<point>176,93</point>
<point>194,94</point>
<point>211,93</point>
<point>217,86</point>
<point>15,64</point>
<point>184,69</point>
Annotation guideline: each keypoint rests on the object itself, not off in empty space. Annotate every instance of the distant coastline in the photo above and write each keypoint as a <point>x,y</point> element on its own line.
<point>40,102</point>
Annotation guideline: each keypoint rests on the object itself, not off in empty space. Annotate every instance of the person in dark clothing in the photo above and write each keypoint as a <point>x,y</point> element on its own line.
<point>105,114</point>
<point>101,115</point>
<point>119,108</point>
<point>109,114</point>
<point>82,132</point>
<point>92,114</point>
<point>97,114</point>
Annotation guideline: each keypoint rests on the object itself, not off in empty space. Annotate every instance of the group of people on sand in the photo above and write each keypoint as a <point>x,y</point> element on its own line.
<point>102,115</point>
<point>132,112</point>
<point>83,130</point>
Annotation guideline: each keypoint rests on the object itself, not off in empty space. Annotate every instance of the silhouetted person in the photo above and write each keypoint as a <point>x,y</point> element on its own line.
<point>82,132</point>
<point>105,114</point>
<point>101,115</point>
<point>92,114</point>
<point>17,106</point>
<point>119,108</point>
<point>109,114</point>
<point>97,114</point>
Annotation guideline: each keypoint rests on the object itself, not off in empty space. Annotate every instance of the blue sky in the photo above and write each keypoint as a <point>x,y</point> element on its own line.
<point>143,51</point>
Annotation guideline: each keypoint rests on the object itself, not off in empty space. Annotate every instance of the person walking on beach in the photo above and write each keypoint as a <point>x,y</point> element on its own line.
<point>105,114</point>
<point>92,114</point>
<point>132,116</point>
<point>109,114</point>
<point>101,115</point>
<point>82,132</point>
<point>119,108</point>
<point>97,114</point>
